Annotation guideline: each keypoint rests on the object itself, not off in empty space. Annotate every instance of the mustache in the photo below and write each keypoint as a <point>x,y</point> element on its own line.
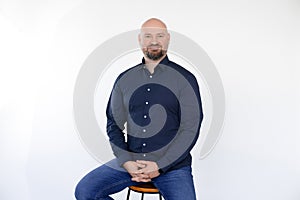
<point>154,45</point>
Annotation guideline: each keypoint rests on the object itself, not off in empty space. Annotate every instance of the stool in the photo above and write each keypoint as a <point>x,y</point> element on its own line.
<point>143,188</point>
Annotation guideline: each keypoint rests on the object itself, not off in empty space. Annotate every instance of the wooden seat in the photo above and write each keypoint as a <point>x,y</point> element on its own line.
<point>143,188</point>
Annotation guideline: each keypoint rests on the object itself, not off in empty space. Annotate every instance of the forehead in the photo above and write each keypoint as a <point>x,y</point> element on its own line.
<point>153,30</point>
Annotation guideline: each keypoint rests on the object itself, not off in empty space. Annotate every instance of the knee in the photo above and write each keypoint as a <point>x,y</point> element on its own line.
<point>79,192</point>
<point>82,191</point>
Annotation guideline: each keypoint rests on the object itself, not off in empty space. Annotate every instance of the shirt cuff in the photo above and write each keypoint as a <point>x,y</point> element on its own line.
<point>162,166</point>
<point>124,158</point>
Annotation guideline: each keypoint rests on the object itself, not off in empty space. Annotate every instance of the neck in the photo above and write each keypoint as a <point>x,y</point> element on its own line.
<point>151,64</point>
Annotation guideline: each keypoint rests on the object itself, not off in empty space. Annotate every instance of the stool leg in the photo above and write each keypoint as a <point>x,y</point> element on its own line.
<point>142,196</point>
<point>128,194</point>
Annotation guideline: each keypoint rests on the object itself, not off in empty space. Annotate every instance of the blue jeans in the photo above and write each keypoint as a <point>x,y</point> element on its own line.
<point>101,182</point>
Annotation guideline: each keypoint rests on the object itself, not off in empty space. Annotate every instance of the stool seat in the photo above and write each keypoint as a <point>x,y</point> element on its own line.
<point>145,188</point>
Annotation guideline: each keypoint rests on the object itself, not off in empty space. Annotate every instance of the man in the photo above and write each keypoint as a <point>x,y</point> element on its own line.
<point>159,101</point>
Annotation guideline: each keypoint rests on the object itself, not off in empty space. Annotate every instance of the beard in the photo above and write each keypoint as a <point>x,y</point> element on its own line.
<point>154,54</point>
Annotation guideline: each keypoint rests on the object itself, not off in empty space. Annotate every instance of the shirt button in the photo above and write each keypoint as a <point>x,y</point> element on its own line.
<point>144,130</point>
<point>145,116</point>
<point>146,102</point>
<point>144,155</point>
<point>144,144</point>
<point>150,76</point>
<point>148,89</point>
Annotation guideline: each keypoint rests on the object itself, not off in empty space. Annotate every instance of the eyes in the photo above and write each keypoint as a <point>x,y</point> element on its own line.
<point>158,36</point>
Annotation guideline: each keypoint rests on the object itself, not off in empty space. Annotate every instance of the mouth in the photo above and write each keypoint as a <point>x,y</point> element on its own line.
<point>154,47</point>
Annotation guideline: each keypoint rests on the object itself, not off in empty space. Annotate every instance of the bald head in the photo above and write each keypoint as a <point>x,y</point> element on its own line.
<point>154,23</point>
<point>154,39</point>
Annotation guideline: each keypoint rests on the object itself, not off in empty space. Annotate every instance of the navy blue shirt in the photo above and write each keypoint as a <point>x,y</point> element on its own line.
<point>160,112</point>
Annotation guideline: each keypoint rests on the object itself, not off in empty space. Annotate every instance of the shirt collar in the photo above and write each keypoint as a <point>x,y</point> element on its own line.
<point>161,65</point>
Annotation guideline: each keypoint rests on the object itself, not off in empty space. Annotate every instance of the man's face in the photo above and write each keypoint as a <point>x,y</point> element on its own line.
<point>154,42</point>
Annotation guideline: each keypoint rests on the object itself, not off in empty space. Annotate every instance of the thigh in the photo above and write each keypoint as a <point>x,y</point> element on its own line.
<point>176,184</point>
<point>103,181</point>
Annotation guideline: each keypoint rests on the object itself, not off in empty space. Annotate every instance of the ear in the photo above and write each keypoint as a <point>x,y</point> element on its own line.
<point>169,36</point>
<point>139,38</point>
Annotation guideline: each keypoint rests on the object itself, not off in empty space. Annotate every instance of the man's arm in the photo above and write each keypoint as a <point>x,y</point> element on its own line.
<point>188,133</point>
<point>116,118</point>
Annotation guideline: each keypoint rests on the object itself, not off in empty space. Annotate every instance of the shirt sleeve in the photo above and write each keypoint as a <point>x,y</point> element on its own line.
<point>116,118</point>
<point>191,116</point>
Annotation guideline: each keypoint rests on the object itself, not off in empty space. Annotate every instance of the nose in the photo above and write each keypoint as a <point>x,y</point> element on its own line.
<point>154,43</point>
<point>153,40</point>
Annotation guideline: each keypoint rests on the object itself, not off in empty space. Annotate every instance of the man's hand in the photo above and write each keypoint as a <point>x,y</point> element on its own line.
<point>133,169</point>
<point>150,169</point>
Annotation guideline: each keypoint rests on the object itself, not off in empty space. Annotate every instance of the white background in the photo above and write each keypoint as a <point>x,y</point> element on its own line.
<point>255,46</point>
